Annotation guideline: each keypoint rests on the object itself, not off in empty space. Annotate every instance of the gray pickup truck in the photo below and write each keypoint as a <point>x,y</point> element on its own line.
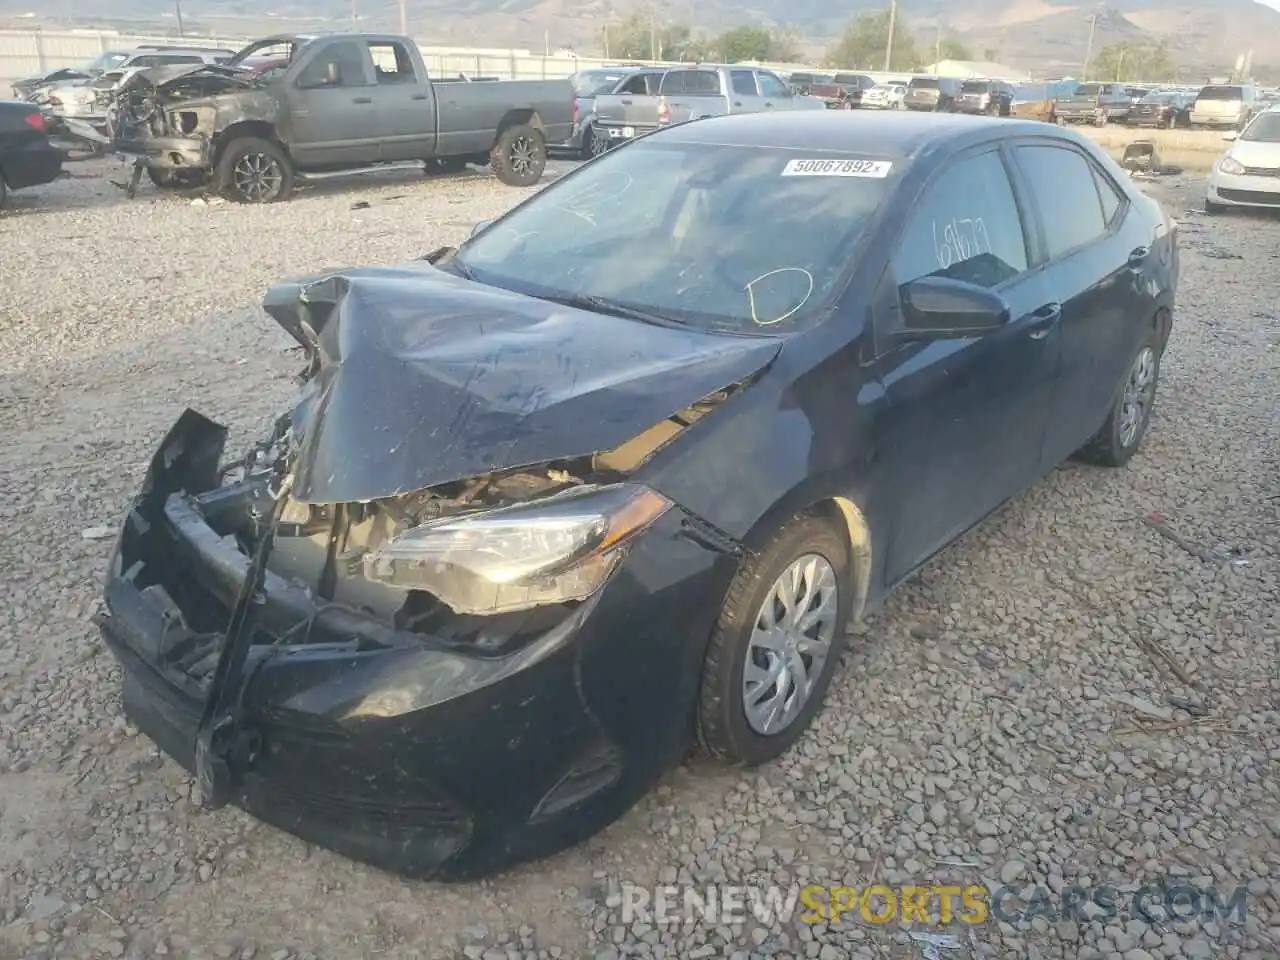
<point>694,92</point>
<point>343,104</point>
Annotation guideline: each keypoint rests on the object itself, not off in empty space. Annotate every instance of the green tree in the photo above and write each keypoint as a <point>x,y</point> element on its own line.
<point>637,38</point>
<point>1133,60</point>
<point>862,45</point>
<point>755,43</point>
<point>950,48</point>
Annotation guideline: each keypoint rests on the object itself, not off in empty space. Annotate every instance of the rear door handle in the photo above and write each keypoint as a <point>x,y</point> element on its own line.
<point>419,96</point>
<point>363,100</point>
<point>1139,256</point>
<point>627,101</point>
<point>737,103</point>
<point>1044,319</point>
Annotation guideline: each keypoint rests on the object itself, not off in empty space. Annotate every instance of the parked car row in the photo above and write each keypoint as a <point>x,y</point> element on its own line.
<point>641,100</point>
<point>294,107</point>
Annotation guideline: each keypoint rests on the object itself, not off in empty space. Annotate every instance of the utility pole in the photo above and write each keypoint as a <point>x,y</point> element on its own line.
<point>937,43</point>
<point>404,18</point>
<point>888,45</point>
<point>653,36</point>
<point>177,8</point>
<point>354,15</point>
<point>606,41</point>
<point>1088,50</point>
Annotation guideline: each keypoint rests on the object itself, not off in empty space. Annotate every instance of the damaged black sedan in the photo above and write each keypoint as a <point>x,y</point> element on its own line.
<point>617,474</point>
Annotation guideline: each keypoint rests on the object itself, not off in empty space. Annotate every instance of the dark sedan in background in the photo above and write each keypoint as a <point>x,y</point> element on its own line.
<point>27,158</point>
<point>621,470</point>
<point>1162,108</point>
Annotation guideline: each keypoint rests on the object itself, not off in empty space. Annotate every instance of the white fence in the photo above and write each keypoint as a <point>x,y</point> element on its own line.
<point>26,52</point>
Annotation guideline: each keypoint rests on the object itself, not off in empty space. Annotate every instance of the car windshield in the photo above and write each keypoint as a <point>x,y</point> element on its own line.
<point>1264,129</point>
<point>595,84</point>
<point>730,238</point>
<point>975,86</point>
<point>1221,93</point>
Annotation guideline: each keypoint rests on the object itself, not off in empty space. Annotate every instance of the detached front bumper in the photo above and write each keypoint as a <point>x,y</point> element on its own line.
<point>168,153</point>
<point>416,753</point>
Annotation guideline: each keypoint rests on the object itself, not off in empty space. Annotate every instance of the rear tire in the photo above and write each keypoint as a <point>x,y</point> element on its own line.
<point>1120,436</point>
<point>253,170</point>
<point>4,192</point>
<point>734,655</point>
<point>519,156</point>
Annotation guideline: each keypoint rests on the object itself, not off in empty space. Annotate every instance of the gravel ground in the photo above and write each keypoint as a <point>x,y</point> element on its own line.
<point>1027,711</point>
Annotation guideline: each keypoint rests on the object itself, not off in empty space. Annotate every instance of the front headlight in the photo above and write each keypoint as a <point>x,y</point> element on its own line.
<point>1231,165</point>
<point>553,550</point>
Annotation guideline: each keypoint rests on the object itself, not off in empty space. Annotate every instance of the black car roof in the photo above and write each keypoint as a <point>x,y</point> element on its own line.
<point>887,134</point>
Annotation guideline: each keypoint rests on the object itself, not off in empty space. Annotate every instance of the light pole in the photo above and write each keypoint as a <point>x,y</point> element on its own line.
<point>888,44</point>
<point>404,17</point>
<point>177,8</point>
<point>1088,50</point>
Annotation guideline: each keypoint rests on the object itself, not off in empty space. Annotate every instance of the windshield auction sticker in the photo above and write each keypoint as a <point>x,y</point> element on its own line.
<point>878,169</point>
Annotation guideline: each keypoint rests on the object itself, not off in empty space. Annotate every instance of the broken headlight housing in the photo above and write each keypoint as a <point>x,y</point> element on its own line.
<point>553,550</point>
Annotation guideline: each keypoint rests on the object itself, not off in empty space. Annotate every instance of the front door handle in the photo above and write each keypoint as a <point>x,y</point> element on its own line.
<point>627,101</point>
<point>1044,319</point>
<point>363,100</point>
<point>737,103</point>
<point>1139,256</point>
<point>419,96</point>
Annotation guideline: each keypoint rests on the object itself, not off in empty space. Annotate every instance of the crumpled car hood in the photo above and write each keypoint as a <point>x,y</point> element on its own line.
<point>421,378</point>
<point>163,76</point>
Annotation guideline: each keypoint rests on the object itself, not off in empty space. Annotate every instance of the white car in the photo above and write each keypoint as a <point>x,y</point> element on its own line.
<point>1248,174</point>
<point>885,96</point>
<point>86,98</point>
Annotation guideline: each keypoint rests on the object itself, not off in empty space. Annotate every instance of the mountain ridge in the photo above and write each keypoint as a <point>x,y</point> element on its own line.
<point>1043,35</point>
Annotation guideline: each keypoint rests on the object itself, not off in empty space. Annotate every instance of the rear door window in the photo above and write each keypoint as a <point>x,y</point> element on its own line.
<point>391,62</point>
<point>1065,189</point>
<point>966,226</point>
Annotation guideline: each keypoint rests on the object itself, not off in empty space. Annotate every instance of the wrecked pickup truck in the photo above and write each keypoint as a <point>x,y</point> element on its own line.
<point>347,103</point>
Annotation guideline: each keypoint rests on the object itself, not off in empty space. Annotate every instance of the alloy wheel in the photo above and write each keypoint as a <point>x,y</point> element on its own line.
<point>1139,390</point>
<point>257,177</point>
<point>790,640</point>
<point>524,156</point>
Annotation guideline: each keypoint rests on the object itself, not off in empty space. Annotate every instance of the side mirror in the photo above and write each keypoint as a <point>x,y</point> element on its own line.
<point>1230,136</point>
<point>481,227</point>
<point>332,74</point>
<point>936,308</point>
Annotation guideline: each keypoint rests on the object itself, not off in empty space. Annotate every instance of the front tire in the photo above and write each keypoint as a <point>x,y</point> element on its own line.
<point>253,170</point>
<point>1211,207</point>
<point>1120,436</point>
<point>519,156</point>
<point>776,644</point>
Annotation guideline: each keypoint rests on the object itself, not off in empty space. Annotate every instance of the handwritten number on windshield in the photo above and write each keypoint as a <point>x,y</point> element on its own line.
<point>959,239</point>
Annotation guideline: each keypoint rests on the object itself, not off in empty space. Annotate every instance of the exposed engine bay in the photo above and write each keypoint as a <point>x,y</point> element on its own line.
<point>327,549</point>
<point>165,101</point>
